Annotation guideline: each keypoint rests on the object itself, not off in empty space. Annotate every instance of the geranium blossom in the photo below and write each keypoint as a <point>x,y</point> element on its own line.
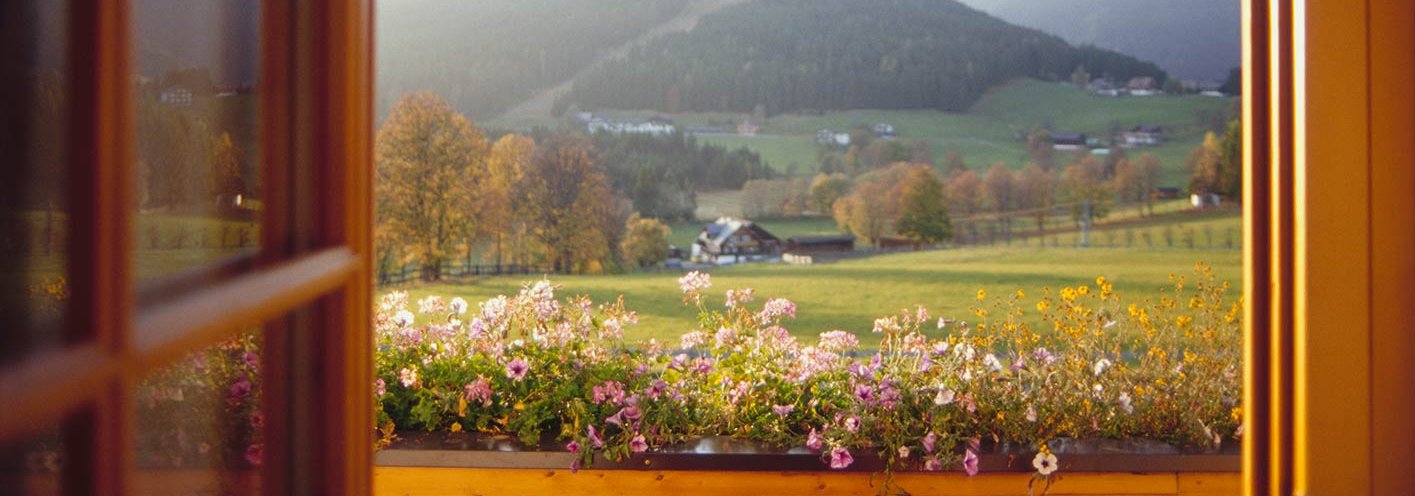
<point>479,391</point>
<point>776,308</point>
<point>838,341</point>
<point>694,282</point>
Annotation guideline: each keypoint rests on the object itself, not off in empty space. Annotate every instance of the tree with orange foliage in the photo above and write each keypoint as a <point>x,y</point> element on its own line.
<point>430,162</point>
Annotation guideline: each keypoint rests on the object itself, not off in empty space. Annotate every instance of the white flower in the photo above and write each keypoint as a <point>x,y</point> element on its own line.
<point>992,363</point>
<point>1045,463</point>
<point>1125,404</point>
<point>1031,414</point>
<point>458,306</point>
<point>403,318</point>
<point>904,452</point>
<point>944,397</point>
<point>1097,388</point>
<point>1100,366</point>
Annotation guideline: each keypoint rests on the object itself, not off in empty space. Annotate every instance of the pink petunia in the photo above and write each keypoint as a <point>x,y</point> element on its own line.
<point>840,458</point>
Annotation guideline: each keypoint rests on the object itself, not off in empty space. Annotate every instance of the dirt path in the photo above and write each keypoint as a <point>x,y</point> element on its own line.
<point>539,106</point>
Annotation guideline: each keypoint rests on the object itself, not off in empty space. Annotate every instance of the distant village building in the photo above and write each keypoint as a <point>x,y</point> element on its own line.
<point>1166,193</point>
<point>1103,87</point>
<point>730,241</point>
<point>1143,135</point>
<point>814,245</point>
<point>654,126</point>
<point>1069,142</point>
<point>1142,83</point>
<point>884,130</point>
<point>1204,200</point>
<point>828,138</point>
<point>182,88</point>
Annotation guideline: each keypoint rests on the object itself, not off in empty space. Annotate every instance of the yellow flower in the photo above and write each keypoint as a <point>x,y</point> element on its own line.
<point>1236,414</point>
<point>519,406</point>
<point>1100,281</point>
<point>982,295</point>
<point>1083,289</point>
<point>1020,294</point>
<point>1042,306</point>
<point>456,427</point>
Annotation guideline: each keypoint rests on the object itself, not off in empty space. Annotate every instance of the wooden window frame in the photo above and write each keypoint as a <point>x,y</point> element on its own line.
<point>1327,412</point>
<point>1329,238</point>
<point>311,283</point>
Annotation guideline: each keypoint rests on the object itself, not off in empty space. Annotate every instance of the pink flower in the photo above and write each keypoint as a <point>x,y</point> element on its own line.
<point>693,282</point>
<point>516,370</point>
<point>239,390</point>
<point>595,440</point>
<point>783,410</point>
<point>933,465</point>
<point>251,359</point>
<point>929,442</point>
<point>638,444</point>
<point>840,458</point>
<point>611,391</point>
<point>573,447</point>
<point>970,463</point>
<point>408,377</point>
<point>776,308</point>
<point>736,298</point>
<point>852,423</point>
<point>380,388</point>
<point>255,454</point>
<point>838,341</point>
<point>478,390</point>
<point>813,440</point>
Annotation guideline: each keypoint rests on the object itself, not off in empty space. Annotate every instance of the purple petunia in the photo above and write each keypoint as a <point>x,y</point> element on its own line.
<point>638,444</point>
<point>930,442</point>
<point>840,458</point>
<point>814,440</point>
<point>970,463</point>
<point>595,441</point>
<point>516,370</point>
<point>573,447</point>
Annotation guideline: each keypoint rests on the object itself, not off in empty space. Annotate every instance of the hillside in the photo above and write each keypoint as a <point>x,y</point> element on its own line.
<point>489,55</point>
<point>797,55</point>
<point>1193,39</point>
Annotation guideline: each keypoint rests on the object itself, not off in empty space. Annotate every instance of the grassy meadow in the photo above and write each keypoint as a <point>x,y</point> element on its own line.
<point>849,295</point>
<point>993,130</point>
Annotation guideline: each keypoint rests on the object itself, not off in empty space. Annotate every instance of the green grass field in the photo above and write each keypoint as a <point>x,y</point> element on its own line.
<point>993,130</point>
<point>850,294</point>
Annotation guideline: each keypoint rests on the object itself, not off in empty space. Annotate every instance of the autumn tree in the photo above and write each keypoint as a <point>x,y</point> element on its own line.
<point>826,189</point>
<point>506,166</point>
<point>1036,193</point>
<point>1040,148</point>
<point>430,163</point>
<point>645,241</point>
<point>923,213</point>
<point>871,209</point>
<point>1231,161</point>
<point>1085,188</point>
<point>565,200</point>
<point>1147,169</point>
<point>175,146</point>
<point>1000,193</point>
<point>226,181</point>
<point>1127,183</point>
<point>1205,165</point>
<point>965,194</point>
<point>953,164</point>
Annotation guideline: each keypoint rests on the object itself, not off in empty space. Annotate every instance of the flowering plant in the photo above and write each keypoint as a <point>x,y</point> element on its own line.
<point>1075,363</point>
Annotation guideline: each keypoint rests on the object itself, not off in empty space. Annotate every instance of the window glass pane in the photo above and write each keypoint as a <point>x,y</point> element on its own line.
<point>199,425</point>
<point>31,465</point>
<point>198,148</point>
<point>33,218</point>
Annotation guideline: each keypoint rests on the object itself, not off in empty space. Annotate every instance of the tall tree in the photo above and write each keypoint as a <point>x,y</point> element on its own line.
<point>826,189</point>
<point>430,162</point>
<point>645,241</point>
<point>965,194</point>
<point>1231,164</point>
<point>506,166</point>
<point>1000,193</point>
<point>1085,188</point>
<point>1040,148</point>
<point>1205,164</point>
<point>923,214</point>
<point>226,178</point>
<point>565,200</point>
<point>870,211</point>
<point>1036,193</point>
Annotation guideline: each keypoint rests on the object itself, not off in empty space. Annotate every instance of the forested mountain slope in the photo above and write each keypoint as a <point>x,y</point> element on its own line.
<point>798,55</point>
